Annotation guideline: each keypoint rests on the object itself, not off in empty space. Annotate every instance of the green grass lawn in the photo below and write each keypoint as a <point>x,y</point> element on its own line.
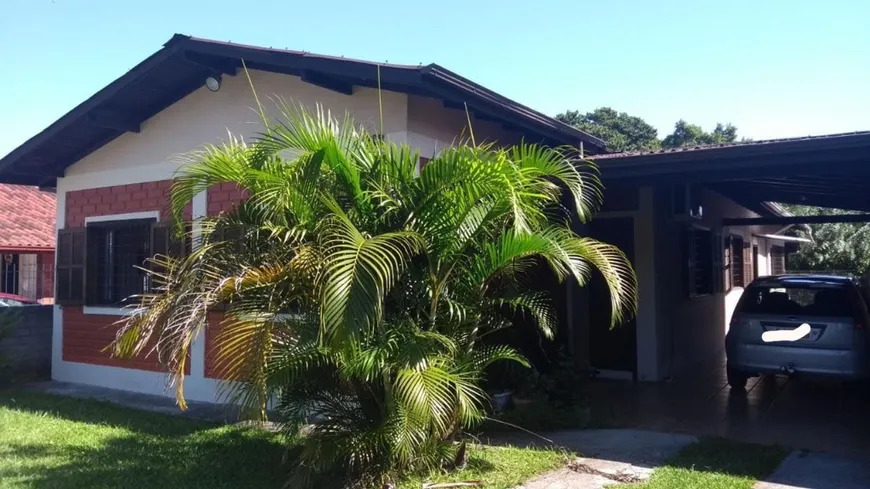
<point>498,467</point>
<point>714,463</point>
<point>50,442</point>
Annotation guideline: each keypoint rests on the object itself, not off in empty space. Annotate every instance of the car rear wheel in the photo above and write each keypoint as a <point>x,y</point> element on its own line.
<point>736,379</point>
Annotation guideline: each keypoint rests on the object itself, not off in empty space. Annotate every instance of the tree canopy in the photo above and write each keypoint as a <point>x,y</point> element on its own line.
<point>624,132</point>
<point>686,134</point>
<point>621,132</point>
<point>835,247</point>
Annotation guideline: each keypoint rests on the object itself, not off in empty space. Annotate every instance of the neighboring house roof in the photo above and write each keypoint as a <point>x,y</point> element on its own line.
<point>182,66</point>
<point>27,217</point>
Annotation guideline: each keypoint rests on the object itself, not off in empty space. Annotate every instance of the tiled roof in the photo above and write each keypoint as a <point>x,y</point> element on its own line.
<point>26,217</point>
<point>704,147</point>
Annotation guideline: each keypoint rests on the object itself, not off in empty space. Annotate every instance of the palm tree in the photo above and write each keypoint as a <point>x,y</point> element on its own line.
<point>358,292</point>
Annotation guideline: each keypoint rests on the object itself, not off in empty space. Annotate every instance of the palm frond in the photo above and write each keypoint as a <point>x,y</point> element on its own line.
<point>360,271</point>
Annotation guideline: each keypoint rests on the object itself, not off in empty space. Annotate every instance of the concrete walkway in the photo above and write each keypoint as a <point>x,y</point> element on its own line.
<point>606,456</point>
<point>807,470</point>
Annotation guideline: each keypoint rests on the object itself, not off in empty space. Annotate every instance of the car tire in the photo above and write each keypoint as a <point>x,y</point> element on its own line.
<point>736,379</point>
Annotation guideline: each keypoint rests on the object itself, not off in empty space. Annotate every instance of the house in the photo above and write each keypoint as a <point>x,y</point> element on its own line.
<point>111,162</point>
<point>27,234</point>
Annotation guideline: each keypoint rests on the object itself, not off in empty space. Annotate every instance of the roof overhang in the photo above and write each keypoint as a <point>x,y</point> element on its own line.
<point>823,171</point>
<point>183,64</point>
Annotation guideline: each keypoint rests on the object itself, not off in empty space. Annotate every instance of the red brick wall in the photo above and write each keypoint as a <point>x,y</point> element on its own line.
<point>223,197</point>
<point>121,199</point>
<point>85,336</point>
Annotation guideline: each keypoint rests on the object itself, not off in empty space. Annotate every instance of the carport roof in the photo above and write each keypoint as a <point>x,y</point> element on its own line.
<point>183,64</point>
<point>826,171</point>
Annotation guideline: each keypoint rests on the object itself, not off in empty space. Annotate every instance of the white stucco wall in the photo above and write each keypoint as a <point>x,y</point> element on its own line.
<point>431,127</point>
<point>693,328</point>
<point>763,256</point>
<point>207,117</point>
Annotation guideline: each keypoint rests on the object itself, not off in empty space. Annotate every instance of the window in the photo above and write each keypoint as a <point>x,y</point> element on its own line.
<point>802,300</point>
<point>116,251</point>
<point>777,260</point>
<point>698,248</point>
<point>99,265</point>
<point>734,268</point>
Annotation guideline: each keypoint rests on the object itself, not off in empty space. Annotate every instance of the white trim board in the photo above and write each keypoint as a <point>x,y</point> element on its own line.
<point>142,381</point>
<point>124,217</point>
<point>106,311</point>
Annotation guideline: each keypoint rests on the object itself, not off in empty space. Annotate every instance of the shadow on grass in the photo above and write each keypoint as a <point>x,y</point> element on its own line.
<point>100,412</point>
<point>222,460</point>
<point>78,444</point>
<point>479,465</point>
<point>729,457</point>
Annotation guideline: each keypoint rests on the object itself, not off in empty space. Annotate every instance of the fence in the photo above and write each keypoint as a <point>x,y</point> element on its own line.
<point>25,343</point>
<point>28,275</point>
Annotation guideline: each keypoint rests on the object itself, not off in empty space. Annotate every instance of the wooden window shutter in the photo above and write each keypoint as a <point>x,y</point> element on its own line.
<point>165,242</point>
<point>71,272</point>
<point>747,262</point>
<point>728,263</point>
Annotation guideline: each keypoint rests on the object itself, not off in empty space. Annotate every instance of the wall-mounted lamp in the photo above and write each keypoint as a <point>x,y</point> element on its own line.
<point>213,83</point>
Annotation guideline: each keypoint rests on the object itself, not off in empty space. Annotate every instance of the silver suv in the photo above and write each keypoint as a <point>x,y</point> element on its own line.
<point>799,324</point>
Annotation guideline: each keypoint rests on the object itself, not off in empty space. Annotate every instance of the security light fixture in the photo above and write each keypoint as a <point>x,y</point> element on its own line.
<point>213,84</point>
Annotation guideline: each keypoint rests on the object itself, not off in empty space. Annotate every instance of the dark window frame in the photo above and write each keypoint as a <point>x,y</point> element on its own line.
<point>699,259</point>
<point>109,282</point>
<point>777,258</point>
<point>734,265</point>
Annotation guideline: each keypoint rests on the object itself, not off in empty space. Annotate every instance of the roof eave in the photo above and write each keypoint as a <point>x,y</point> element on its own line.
<point>14,166</point>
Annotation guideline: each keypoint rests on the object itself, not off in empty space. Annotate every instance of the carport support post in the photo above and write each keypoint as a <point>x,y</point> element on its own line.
<point>577,315</point>
<point>645,268</point>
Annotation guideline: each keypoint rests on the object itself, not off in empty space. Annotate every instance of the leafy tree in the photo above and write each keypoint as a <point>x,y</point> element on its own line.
<point>686,134</point>
<point>621,132</point>
<point>835,247</point>
<point>360,296</point>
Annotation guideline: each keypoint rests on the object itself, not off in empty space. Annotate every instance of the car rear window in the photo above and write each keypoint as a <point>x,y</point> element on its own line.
<point>801,300</point>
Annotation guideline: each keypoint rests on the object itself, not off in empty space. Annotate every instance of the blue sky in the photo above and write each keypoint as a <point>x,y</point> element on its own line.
<point>772,68</point>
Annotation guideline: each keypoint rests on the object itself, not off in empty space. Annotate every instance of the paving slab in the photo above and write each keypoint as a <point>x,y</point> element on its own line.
<point>808,470</point>
<point>639,448</point>
<point>567,479</point>
<point>608,457</point>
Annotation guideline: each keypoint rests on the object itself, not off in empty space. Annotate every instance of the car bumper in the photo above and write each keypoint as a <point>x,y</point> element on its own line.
<point>759,359</point>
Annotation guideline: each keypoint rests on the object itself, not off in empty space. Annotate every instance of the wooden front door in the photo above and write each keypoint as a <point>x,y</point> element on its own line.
<point>611,348</point>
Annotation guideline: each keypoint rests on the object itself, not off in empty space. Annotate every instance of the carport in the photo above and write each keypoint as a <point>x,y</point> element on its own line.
<point>699,223</point>
<point>823,171</point>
